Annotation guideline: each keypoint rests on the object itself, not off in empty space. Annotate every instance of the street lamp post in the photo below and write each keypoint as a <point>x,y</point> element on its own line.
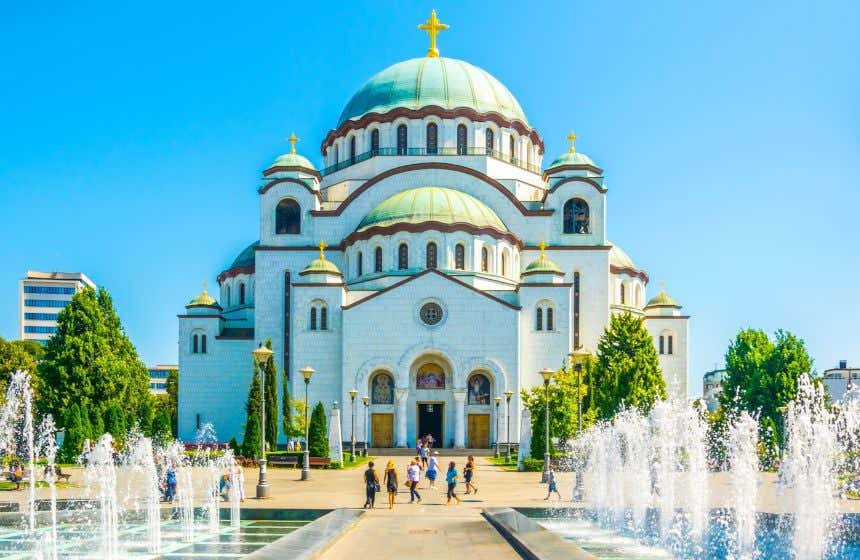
<point>366,400</point>
<point>352,393</point>
<point>508,395</point>
<point>262,355</point>
<point>307,373</point>
<point>576,358</point>
<point>547,377</point>
<point>498,401</point>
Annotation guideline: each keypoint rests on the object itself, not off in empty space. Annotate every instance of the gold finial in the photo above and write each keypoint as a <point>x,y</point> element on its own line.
<point>292,140</point>
<point>322,247</point>
<point>433,26</point>
<point>204,286</point>
<point>571,138</point>
<point>542,250</point>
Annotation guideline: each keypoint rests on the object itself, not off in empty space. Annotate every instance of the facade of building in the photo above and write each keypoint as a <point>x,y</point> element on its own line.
<point>434,263</point>
<point>41,296</point>
<point>712,386</point>
<point>158,375</point>
<point>840,380</point>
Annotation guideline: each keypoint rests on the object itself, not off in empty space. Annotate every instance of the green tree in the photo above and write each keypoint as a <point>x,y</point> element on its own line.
<point>93,422</point>
<point>90,361</point>
<point>318,432</point>
<point>114,420</point>
<point>762,375</point>
<point>299,407</point>
<point>73,439</point>
<point>287,409</point>
<point>627,372</point>
<point>161,428</point>
<point>147,414</point>
<point>14,357</point>
<point>172,388</point>
<point>251,440</point>
<point>271,388</point>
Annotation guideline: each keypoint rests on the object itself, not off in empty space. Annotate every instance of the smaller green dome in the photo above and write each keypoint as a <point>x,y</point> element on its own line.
<point>293,160</point>
<point>432,204</point>
<point>321,266</point>
<point>619,258</point>
<point>572,158</point>
<point>662,300</point>
<point>543,265</point>
<point>203,299</point>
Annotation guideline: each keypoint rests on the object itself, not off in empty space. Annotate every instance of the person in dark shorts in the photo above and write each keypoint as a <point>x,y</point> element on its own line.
<point>371,485</point>
<point>552,486</point>
<point>468,473</point>
<point>451,478</point>
<point>390,479</point>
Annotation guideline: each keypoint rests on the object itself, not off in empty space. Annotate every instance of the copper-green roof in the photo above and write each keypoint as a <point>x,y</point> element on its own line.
<point>620,259</point>
<point>432,204</point>
<point>321,266</point>
<point>443,82</point>
<point>293,160</point>
<point>662,299</point>
<point>543,265</point>
<point>246,257</point>
<point>572,158</point>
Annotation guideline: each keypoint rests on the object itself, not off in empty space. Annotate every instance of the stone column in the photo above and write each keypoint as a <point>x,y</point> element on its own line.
<point>400,396</point>
<point>459,418</point>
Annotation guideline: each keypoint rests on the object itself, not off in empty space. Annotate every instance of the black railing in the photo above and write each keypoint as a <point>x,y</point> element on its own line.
<point>431,152</point>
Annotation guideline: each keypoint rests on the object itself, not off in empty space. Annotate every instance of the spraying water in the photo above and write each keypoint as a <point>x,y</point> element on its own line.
<point>100,471</point>
<point>48,446</point>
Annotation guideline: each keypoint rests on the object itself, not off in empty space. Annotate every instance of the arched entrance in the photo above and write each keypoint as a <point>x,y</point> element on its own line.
<point>430,400</point>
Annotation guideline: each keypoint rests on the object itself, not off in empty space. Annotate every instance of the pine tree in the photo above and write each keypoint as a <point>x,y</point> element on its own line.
<point>251,441</point>
<point>627,372</point>
<point>287,408</point>
<point>271,384</point>
<point>318,432</point>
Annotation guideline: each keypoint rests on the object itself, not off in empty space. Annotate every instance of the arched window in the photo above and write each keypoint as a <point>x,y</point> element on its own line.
<point>403,256</point>
<point>374,141</point>
<point>485,260</point>
<point>288,217</point>
<point>504,265</point>
<point>377,260</point>
<point>241,293</point>
<point>539,319</point>
<point>459,257</point>
<point>544,317</point>
<point>669,345</point>
<point>313,318</point>
<point>550,324</point>
<point>352,150</point>
<point>662,344</point>
<point>194,348</point>
<point>227,296</point>
<point>461,139</point>
<point>323,318</point>
<point>401,140</point>
<point>359,264</point>
<point>512,144</point>
<point>621,294</point>
<point>382,389</point>
<point>489,136</point>
<point>479,389</point>
<point>432,139</point>
<point>203,344</point>
<point>576,216</point>
<point>431,255</point>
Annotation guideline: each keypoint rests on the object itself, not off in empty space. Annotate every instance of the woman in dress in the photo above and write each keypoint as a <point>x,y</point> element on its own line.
<point>451,477</point>
<point>371,485</point>
<point>390,480</point>
<point>468,473</point>
<point>432,468</point>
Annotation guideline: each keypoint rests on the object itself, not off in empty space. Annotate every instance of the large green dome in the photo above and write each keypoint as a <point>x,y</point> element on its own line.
<point>432,204</point>
<point>444,82</point>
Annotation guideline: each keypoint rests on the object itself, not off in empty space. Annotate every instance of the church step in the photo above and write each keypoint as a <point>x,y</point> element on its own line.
<point>410,452</point>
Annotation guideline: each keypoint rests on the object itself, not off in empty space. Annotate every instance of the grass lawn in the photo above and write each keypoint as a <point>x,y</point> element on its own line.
<point>359,461</point>
<point>500,462</point>
<point>6,485</point>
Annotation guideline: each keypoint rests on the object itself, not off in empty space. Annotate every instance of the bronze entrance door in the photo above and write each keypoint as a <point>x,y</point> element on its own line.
<point>479,431</point>
<point>382,430</point>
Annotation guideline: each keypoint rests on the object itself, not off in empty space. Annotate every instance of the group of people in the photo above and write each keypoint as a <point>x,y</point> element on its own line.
<point>425,463</point>
<point>234,474</point>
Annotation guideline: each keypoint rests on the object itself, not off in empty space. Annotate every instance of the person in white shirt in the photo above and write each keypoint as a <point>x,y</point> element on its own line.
<point>413,475</point>
<point>433,469</point>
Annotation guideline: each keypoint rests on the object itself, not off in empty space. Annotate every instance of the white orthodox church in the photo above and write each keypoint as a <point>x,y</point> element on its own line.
<point>433,264</point>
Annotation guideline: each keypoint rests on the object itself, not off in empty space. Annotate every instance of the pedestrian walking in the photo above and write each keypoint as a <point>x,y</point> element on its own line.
<point>391,484</point>
<point>425,455</point>
<point>413,475</point>
<point>552,486</point>
<point>371,485</point>
<point>451,477</point>
<point>170,480</point>
<point>432,469</point>
<point>468,473</point>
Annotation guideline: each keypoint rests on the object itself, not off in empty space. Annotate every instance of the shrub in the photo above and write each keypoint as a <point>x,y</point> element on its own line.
<point>533,465</point>
<point>318,433</point>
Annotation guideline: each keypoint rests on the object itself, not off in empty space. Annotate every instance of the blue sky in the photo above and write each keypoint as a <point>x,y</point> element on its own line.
<point>134,135</point>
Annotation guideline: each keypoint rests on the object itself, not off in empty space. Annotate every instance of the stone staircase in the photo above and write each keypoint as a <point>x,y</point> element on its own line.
<point>410,452</point>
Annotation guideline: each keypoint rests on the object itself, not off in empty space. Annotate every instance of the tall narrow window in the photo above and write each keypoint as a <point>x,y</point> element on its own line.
<point>669,345</point>
<point>621,293</point>
<point>489,136</point>
<point>352,150</point>
<point>431,255</point>
<point>485,260</point>
<point>461,139</point>
<point>576,343</point>
<point>374,141</point>
<point>576,216</point>
<point>539,319</point>
<point>313,318</point>
<point>513,149</point>
<point>287,217</point>
<point>242,293</point>
<point>227,296</point>
<point>360,264</point>
<point>336,158</point>
<point>377,260</point>
<point>203,344</point>
<point>323,318</point>
<point>550,326</point>
<point>401,140</point>
<point>432,139</point>
<point>504,267</point>
<point>459,257</point>
<point>662,347</point>
<point>194,349</point>
<point>403,256</point>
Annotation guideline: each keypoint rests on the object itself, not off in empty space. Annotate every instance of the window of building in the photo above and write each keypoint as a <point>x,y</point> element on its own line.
<point>313,318</point>
<point>544,317</point>
<point>662,345</point>
<point>431,313</point>
<point>459,257</point>
<point>203,344</point>
<point>550,323</point>
<point>489,136</point>
<point>432,257</point>
<point>194,348</point>
<point>352,150</point>
<point>669,345</point>
<point>49,290</point>
<point>401,140</point>
<point>288,217</point>
<point>403,256</point>
<point>539,319</point>
<point>485,260</point>
<point>374,141</point>
<point>504,264</point>
<point>41,316</point>
<point>432,138</point>
<point>621,293</point>
<point>227,296</point>
<point>45,303</point>
<point>461,139</point>
<point>241,293</point>
<point>377,260</point>
<point>360,263</point>
<point>336,159</point>
<point>638,295</point>
<point>512,144</point>
<point>323,318</point>
<point>576,216</point>
<point>34,329</point>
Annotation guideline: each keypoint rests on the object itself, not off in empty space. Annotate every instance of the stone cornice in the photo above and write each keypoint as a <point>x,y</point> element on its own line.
<point>428,226</point>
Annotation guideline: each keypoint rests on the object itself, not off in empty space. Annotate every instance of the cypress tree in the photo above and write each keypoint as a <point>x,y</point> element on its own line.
<point>318,432</point>
<point>93,422</point>
<point>147,414</point>
<point>251,440</point>
<point>114,420</point>
<point>271,384</point>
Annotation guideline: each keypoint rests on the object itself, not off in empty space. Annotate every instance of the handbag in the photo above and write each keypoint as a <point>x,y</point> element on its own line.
<point>409,484</point>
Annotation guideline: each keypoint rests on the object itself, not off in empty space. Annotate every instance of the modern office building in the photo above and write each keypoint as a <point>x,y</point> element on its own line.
<point>41,296</point>
<point>158,378</point>
<point>840,379</point>
<point>712,386</point>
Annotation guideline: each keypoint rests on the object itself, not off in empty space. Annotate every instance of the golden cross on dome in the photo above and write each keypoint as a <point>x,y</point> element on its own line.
<point>662,286</point>
<point>433,26</point>
<point>322,247</point>
<point>292,140</point>
<point>542,250</point>
<point>571,138</point>
<point>204,286</point>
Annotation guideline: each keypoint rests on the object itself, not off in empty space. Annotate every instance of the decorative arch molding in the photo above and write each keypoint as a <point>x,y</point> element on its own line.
<point>371,366</point>
<point>434,110</point>
<point>472,365</point>
<point>559,168</point>
<point>292,168</point>
<point>265,188</point>
<point>597,186</point>
<point>430,165</point>
<point>431,226</point>
<point>403,373</point>
<point>640,274</point>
